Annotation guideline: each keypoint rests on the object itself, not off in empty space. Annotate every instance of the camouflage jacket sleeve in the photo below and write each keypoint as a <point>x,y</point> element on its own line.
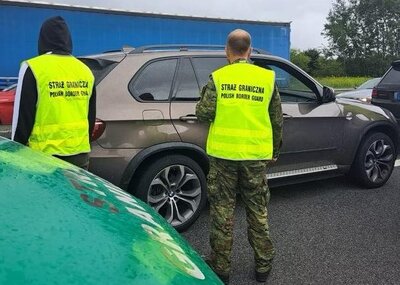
<point>206,108</point>
<point>276,117</point>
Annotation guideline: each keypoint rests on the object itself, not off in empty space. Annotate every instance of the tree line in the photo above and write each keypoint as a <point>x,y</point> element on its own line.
<point>363,39</point>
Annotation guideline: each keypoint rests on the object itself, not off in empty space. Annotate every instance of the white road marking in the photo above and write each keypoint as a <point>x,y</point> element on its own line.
<point>397,163</point>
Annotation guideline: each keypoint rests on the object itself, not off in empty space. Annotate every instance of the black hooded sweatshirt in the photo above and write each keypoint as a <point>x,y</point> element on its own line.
<point>54,37</point>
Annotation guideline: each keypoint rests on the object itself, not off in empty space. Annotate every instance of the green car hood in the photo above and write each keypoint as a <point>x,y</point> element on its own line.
<point>63,225</point>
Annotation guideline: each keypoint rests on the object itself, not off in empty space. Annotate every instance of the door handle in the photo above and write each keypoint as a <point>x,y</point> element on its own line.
<point>287,116</point>
<point>189,117</point>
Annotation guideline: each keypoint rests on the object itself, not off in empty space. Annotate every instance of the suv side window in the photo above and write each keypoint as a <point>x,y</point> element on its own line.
<point>154,81</point>
<point>204,66</point>
<point>186,87</point>
<point>293,88</point>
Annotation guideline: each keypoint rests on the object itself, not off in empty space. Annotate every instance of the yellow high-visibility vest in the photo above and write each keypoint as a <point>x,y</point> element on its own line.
<point>242,128</point>
<point>64,86</point>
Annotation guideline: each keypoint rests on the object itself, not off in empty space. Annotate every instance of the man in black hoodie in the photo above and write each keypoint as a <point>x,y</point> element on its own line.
<point>55,102</point>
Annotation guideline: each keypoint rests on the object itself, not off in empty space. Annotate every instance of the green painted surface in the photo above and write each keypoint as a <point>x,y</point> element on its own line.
<point>63,225</point>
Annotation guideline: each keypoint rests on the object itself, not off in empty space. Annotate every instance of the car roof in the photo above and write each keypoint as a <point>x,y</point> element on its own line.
<point>171,50</point>
<point>61,224</point>
<point>396,62</point>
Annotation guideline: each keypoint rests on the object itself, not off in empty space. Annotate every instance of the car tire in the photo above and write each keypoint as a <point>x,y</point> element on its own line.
<point>374,161</point>
<point>175,187</point>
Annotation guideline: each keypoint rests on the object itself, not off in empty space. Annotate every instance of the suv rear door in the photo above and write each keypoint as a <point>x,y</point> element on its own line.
<point>134,102</point>
<point>192,75</point>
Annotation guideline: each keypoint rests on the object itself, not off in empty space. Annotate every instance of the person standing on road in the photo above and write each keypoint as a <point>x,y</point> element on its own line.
<point>55,102</point>
<point>243,106</point>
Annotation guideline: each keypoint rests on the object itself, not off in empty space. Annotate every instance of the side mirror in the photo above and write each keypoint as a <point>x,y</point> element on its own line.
<point>328,95</point>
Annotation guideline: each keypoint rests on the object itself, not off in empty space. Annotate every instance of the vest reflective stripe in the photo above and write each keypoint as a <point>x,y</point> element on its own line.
<point>242,127</point>
<point>64,87</point>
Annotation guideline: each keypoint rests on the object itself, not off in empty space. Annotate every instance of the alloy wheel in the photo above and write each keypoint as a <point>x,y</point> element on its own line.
<point>175,193</point>
<point>378,160</point>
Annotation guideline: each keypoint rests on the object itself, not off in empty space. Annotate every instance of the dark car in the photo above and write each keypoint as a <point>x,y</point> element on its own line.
<point>386,94</point>
<point>153,146</point>
<point>63,225</point>
<point>362,93</point>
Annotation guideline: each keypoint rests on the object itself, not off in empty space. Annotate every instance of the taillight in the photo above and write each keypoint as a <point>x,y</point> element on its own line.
<point>98,130</point>
<point>374,92</point>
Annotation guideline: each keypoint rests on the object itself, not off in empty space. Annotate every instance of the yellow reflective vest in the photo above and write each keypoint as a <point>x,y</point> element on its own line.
<point>64,86</point>
<point>242,128</point>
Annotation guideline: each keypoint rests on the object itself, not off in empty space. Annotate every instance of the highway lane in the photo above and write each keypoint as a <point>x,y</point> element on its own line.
<point>325,232</point>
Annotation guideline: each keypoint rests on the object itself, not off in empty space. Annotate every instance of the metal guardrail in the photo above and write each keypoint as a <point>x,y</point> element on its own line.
<point>7,81</point>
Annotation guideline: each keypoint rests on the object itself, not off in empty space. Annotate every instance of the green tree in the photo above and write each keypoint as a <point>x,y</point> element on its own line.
<point>300,59</point>
<point>364,34</point>
<point>330,67</point>
<point>316,63</point>
<point>315,59</point>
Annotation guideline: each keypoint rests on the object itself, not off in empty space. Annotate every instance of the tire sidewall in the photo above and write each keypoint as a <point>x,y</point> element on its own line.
<point>358,170</point>
<point>155,166</point>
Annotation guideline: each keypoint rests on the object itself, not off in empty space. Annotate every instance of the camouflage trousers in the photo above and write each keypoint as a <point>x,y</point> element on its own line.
<point>247,178</point>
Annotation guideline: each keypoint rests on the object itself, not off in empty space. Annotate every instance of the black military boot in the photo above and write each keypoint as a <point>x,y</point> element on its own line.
<point>224,278</point>
<point>262,276</point>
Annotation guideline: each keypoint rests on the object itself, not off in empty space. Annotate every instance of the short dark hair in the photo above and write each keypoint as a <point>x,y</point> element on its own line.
<point>239,41</point>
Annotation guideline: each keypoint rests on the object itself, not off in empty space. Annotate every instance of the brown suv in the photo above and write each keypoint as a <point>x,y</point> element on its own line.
<point>151,144</point>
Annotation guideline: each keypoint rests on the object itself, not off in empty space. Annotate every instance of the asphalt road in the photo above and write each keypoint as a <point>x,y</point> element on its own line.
<point>325,232</point>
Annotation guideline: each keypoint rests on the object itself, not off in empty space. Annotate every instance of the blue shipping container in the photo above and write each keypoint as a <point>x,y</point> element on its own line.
<point>98,30</point>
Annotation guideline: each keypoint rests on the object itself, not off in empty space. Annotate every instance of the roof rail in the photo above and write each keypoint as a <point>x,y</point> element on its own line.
<point>180,47</point>
<point>183,47</point>
<point>260,51</point>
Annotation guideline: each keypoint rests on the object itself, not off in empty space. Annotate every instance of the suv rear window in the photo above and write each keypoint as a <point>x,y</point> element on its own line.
<point>99,67</point>
<point>392,77</point>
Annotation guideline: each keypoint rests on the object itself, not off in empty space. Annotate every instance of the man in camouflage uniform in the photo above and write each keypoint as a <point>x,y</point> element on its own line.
<point>227,177</point>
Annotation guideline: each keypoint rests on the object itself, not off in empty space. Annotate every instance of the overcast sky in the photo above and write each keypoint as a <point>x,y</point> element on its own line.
<point>307,17</point>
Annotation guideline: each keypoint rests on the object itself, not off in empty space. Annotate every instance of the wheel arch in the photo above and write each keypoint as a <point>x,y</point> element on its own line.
<point>148,155</point>
<point>380,127</point>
